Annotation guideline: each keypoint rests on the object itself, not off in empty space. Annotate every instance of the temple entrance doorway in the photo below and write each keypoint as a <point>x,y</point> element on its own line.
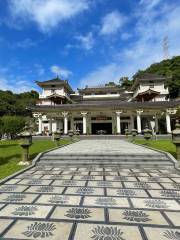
<point>101,128</point>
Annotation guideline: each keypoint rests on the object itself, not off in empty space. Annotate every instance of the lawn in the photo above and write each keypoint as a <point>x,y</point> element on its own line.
<point>10,154</point>
<point>165,145</point>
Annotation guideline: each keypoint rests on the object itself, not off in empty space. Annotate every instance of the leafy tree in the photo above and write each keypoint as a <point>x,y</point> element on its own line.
<point>11,125</point>
<point>16,104</point>
<point>125,82</point>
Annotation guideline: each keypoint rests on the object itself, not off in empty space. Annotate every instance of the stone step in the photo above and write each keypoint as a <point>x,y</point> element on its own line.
<point>107,160</point>
<point>161,157</point>
<point>56,162</point>
<point>104,154</point>
<point>92,158</point>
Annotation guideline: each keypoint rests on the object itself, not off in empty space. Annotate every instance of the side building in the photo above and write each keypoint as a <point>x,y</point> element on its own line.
<point>107,109</point>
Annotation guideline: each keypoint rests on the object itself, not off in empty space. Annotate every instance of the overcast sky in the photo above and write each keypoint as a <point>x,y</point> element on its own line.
<point>89,42</point>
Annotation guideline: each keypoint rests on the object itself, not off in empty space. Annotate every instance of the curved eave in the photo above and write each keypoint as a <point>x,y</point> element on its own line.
<point>55,96</point>
<point>108,105</point>
<point>149,91</point>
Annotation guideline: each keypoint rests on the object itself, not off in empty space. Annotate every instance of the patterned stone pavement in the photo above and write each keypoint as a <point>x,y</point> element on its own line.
<point>91,203</point>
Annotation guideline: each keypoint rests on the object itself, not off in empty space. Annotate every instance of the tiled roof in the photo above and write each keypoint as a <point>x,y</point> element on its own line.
<point>56,81</point>
<point>114,105</point>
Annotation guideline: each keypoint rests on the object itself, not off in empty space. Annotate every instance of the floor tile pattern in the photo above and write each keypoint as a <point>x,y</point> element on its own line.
<point>91,203</point>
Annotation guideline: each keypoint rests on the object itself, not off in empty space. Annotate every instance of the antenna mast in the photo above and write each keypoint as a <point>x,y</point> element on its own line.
<point>165,48</point>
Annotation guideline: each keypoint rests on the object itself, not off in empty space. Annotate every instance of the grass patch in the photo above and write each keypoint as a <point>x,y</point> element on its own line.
<point>164,145</point>
<point>10,154</point>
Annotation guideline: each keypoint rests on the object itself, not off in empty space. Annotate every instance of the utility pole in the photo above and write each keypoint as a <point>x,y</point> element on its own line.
<point>165,48</point>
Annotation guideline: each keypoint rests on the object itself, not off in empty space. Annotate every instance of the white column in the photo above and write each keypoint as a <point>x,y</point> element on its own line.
<point>139,121</point>
<point>65,115</point>
<point>156,125</point>
<point>118,122</point>
<point>72,123</point>
<point>40,124</point>
<point>132,122</point>
<point>50,125</point>
<point>168,123</point>
<point>84,122</point>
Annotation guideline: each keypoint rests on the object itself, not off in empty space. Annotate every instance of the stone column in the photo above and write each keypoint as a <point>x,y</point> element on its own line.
<point>65,115</point>
<point>40,124</point>
<point>168,122</point>
<point>139,121</point>
<point>84,114</point>
<point>118,122</point>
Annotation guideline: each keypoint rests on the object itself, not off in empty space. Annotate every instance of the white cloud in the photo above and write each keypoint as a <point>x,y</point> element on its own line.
<point>102,75</point>
<point>152,24</point>
<point>125,36</point>
<point>149,4</point>
<point>39,69</point>
<point>112,22</point>
<point>86,41</point>
<point>16,86</point>
<point>26,43</point>
<point>47,14</point>
<point>63,72</point>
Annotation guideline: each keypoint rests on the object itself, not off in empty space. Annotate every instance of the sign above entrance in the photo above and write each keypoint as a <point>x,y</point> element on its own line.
<point>101,118</point>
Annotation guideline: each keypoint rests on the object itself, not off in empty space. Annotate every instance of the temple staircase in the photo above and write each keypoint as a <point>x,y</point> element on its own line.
<point>106,152</point>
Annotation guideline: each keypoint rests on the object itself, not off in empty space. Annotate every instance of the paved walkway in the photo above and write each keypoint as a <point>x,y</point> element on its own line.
<point>91,203</point>
<point>103,146</point>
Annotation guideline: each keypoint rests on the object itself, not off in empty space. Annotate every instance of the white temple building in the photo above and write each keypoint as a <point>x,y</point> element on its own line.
<point>108,109</point>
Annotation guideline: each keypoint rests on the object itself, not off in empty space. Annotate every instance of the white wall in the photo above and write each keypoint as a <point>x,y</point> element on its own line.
<point>159,87</point>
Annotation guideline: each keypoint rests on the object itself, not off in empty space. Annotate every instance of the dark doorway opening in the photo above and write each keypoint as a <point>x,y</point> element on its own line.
<point>124,125</point>
<point>106,128</point>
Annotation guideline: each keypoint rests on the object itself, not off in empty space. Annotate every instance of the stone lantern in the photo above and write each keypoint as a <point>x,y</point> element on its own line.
<point>57,136</point>
<point>77,133</point>
<point>134,133</point>
<point>176,139</point>
<point>26,142</point>
<point>71,133</point>
<point>127,132</point>
<point>147,133</point>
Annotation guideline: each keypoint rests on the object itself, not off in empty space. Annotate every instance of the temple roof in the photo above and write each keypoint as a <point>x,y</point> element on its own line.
<point>56,81</point>
<point>102,88</point>
<point>113,105</point>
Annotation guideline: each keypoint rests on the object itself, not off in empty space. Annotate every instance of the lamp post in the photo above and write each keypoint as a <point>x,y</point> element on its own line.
<point>176,139</point>
<point>26,142</point>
